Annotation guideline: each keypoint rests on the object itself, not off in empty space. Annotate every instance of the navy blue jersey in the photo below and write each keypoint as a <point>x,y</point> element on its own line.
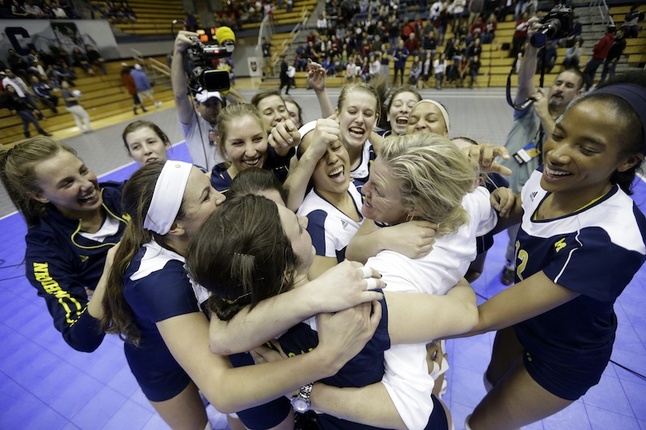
<point>595,252</point>
<point>61,263</point>
<point>365,368</point>
<point>157,287</point>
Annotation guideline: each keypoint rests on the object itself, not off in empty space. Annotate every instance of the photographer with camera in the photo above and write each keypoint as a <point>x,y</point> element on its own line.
<point>198,117</point>
<point>599,54</point>
<point>533,125</point>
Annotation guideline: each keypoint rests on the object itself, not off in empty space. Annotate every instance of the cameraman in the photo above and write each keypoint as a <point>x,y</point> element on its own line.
<point>198,117</point>
<point>531,127</point>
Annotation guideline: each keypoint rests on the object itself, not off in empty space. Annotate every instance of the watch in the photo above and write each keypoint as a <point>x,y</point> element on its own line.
<point>301,402</point>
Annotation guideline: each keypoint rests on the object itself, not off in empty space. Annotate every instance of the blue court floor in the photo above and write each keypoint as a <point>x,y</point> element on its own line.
<point>44,384</point>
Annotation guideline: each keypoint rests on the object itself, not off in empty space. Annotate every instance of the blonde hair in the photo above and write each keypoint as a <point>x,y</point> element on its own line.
<point>231,113</point>
<point>433,177</point>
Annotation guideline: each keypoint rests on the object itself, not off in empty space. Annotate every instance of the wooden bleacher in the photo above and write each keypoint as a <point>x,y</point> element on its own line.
<point>103,96</point>
<point>496,62</point>
<point>635,51</point>
<point>282,17</point>
<point>151,18</point>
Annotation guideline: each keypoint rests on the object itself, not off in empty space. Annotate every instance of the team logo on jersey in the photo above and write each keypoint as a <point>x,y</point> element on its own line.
<point>344,223</point>
<point>83,258</point>
<point>533,195</point>
<point>560,244</point>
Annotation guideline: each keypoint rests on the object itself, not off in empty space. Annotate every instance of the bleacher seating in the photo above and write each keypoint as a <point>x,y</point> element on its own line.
<point>151,18</point>
<point>282,17</point>
<point>104,96</point>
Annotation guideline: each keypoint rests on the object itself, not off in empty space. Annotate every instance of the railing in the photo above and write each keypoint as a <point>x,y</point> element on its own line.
<point>266,31</point>
<point>604,13</point>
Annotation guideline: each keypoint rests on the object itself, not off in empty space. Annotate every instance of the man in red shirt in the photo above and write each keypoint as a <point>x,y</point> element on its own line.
<point>599,54</point>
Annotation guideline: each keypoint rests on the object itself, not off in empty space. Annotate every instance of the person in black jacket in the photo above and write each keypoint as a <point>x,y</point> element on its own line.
<point>12,101</point>
<point>617,48</point>
<point>72,223</point>
<point>284,78</point>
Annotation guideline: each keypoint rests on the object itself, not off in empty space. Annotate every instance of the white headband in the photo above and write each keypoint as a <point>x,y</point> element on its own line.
<point>167,198</point>
<point>443,111</point>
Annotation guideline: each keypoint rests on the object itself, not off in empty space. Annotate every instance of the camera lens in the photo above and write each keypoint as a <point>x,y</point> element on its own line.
<point>550,29</point>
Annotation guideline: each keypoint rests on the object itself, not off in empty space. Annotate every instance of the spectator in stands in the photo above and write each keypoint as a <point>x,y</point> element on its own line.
<point>71,100</point>
<point>143,85</point>
<point>457,10</point>
<point>17,63</point>
<point>439,69</point>
<point>131,87</point>
<point>61,72</point>
<point>413,43</point>
<point>266,47</point>
<point>321,23</point>
<point>95,58</point>
<point>17,10</point>
<point>415,72</point>
<point>573,56</point>
<point>599,54</point>
<point>474,69</point>
<point>81,60</point>
<point>400,54</point>
<point>520,36</point>
<point>575,35</point>
<point>475,10</point>
<point>284,79</point>
<point>21,90</point>
<point>490,29</point>
<point>17,105</point>
<point>43,91</point>
<point>614,54</point>
<point>33,11</point>
<point>631,21</point>
<point>547,58</point>
<point>58,11</point>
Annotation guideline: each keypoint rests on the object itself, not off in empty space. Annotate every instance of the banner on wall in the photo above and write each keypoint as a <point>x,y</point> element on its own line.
<point>23,35</point>
<point>255,68</point>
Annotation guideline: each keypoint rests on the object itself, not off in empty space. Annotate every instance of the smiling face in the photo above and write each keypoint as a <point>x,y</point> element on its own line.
<point>332,172</point>
<point>245,144</point>
<point>357,115</point>
<point>382,201</point>
<point>200,200</point>
<point>67,183</point>
<point>584,151</point>
<point>426,118</point>
<point>400,108</point>
<point>273,111</point>
<point>145,146</point>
